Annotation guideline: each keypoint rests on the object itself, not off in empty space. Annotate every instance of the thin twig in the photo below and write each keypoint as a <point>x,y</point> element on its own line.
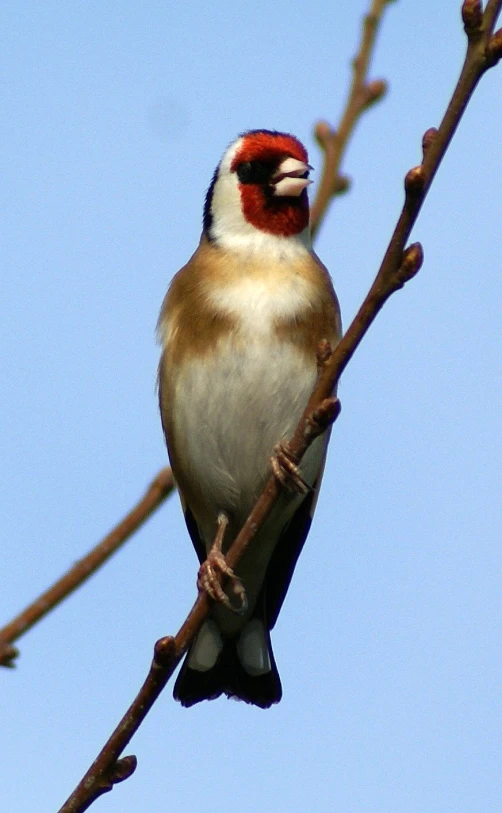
<point>362,94</point>
<point>158,490</point>
<point>397,267</point>
<point>483,52</point>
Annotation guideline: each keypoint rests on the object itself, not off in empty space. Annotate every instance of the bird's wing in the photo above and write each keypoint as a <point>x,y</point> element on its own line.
<point>193,530</point>
<point>287,550</point>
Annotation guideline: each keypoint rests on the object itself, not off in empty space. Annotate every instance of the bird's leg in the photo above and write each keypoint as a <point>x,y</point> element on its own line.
<point>286,469</point>
<point>207,579</point>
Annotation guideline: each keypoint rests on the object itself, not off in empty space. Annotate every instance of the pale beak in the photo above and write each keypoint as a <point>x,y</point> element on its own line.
<point>290,179</point>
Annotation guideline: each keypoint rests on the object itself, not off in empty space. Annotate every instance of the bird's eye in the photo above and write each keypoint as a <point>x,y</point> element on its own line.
<point>258,172</point>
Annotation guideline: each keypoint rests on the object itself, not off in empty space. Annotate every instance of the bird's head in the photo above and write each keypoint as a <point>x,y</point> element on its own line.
<point>259,189</point>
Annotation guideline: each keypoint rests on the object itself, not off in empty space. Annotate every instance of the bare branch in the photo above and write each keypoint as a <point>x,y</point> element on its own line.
<point>362,95</point>
<point>398,266</point>
<point>158,490</point>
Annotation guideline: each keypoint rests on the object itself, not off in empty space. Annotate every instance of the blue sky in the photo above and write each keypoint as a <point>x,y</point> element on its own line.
<point>114,117</point>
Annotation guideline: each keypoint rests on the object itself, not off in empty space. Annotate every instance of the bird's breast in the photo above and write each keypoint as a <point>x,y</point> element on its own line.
<point>257,306</point>
<point>229,410</point>
<point>238,367</point>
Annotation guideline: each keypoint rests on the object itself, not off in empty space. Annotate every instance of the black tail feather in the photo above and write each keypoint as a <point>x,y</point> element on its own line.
<point>228,677</point>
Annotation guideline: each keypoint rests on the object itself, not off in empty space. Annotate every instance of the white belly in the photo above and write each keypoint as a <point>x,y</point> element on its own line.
<point>232,408</point>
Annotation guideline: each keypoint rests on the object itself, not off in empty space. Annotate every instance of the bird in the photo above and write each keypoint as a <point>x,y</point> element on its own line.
<point>239,330</point>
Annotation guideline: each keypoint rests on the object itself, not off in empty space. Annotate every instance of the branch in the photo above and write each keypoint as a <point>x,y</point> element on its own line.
<point>362,95</point>
<point>158,490</point>
<point>398,266</point>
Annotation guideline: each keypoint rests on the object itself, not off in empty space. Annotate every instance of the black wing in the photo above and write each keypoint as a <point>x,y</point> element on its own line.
<point>285,556</point>
<point>193,530</point>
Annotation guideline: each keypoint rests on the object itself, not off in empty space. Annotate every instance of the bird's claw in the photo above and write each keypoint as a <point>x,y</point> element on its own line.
<point>286,469</point>
<point>208,582</point>
<point>216,564</point>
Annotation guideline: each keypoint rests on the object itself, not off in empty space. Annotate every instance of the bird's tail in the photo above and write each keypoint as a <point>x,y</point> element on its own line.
<point>242,667</point>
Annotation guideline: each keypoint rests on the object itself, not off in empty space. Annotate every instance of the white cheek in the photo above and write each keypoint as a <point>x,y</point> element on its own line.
<point>226,207</point>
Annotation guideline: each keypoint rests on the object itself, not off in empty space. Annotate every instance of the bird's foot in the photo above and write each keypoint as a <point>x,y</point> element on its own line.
<point>286,469</point>
<point>207,578</point>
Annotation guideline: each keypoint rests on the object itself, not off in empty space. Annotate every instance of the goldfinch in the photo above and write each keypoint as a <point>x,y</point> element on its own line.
<point>239,329</point>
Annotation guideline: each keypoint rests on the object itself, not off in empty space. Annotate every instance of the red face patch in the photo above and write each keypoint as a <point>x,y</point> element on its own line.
<point>282,216</point>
